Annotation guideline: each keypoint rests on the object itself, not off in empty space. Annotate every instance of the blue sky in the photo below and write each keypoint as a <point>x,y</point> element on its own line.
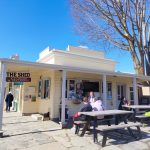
<point>29,26</point>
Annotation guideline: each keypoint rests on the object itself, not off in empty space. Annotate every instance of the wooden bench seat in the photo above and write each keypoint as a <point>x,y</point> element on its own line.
<point>106,129</point>
<point>78,125</point>
<point>79,122</point>
<point>120,126</point>
<point>142,118</point>
<point>141,112</point>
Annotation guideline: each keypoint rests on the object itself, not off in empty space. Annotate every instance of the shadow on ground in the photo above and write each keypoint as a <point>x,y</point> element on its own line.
<point>32,132</point>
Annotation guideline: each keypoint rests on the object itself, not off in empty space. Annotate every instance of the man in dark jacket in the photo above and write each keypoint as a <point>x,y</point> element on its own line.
<point>86,108</point>
<point>9,99</point>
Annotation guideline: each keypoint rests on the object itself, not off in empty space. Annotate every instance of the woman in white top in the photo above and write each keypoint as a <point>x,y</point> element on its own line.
<point>97,106</point>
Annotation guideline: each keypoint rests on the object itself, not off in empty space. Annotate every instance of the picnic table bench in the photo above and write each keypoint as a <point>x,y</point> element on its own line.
<point>78,124</point>
<point>93,116</point>
<point>106,129</point>
<point>142,118</point>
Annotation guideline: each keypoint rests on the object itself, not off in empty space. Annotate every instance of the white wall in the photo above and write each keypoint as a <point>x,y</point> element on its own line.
<point>85,52</point>
<point>77,57</point>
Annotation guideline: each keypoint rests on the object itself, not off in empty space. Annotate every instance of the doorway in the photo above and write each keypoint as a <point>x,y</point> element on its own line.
<point>121,91</point>
<point>17,98</point>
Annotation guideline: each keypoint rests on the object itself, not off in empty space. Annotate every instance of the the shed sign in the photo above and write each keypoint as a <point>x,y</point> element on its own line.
<point>18,77</point>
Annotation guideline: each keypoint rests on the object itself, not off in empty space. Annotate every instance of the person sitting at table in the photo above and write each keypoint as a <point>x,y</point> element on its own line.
<point>97,106</point>
<point>123,101</point>
<point>86,108</point>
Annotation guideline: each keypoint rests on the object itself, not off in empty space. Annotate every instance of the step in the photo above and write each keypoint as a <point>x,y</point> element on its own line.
<point>37,116</point>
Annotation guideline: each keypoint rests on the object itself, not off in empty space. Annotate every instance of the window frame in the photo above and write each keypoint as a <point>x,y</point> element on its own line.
<point>109,93</point>
<point>46,89</point>
<point>40,85</point>
<point>131,92</point>
<point>109,97</point>
<point>45,83</point>
<point>77,81</point>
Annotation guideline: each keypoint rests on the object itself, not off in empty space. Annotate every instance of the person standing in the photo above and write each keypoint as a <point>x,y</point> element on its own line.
<point>91,97</point>
<point>8,100</point>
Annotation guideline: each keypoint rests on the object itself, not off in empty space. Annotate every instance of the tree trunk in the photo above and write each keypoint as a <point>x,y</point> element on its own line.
<point>139,70</point>
<point>147,65</point>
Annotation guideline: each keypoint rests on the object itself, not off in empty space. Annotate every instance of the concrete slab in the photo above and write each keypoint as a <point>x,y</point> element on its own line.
<point>52,146</point>
<point>25,133</point>
<point>112,147</point>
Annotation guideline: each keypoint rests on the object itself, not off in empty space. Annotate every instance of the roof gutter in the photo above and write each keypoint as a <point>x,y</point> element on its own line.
<point>70,68</point>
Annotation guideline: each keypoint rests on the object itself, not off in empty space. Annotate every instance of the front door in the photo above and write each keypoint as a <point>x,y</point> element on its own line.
<point>120,93</point>
<point>17,100</point>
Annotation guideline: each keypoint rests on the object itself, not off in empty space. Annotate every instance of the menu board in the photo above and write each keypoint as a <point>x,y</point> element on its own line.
<point>75,90</point>
<point>79,90</point>
<point>72,93</point>
<point>30,94</point>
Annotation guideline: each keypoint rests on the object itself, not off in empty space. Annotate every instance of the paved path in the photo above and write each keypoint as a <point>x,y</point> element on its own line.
<point>25,133</point>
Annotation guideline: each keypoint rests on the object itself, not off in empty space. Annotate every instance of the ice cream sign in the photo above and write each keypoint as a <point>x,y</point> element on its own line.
<point>18,77</point>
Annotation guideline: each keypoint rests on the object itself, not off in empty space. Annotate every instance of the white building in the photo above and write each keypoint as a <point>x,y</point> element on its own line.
<point>63,77</point>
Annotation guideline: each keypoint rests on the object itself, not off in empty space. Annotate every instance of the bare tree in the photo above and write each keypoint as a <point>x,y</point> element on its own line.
<point>123,23</point>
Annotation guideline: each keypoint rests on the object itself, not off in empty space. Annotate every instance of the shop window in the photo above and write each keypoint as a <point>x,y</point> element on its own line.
<point>66,92</point>
<point>79,90</point>
<point>44,89</point>
<point>76,89</point>
<point>90,86</point>
<point>71,90</point>
<point>131,96</point>
<point>109,90</point>
<point>40,89</point>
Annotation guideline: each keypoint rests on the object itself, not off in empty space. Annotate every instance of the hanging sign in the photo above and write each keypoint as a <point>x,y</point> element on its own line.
<point>18,77</point>
<point>18,83</point>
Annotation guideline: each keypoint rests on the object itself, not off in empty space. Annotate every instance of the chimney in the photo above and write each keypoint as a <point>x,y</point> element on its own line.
<point>14,57</point>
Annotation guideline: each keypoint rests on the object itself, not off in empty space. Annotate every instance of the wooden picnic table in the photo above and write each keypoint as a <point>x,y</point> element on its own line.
<point>137,106</point>
<point>94,114</point>
<point>105,113</point>
<point>135,109</point>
